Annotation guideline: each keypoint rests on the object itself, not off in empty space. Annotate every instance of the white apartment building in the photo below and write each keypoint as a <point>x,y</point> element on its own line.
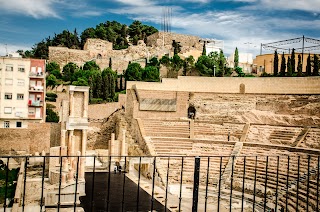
<point>22,91</point>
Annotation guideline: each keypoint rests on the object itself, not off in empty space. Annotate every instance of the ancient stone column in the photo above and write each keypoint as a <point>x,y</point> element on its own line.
<point>63,178</point>
<point>111,144</point>
<point>71,103</point>
<point>123,144</point>
<point>84,142</point>
<point>82,168</point>
<point>85,104</point>
<point>70,144</point>
<point>63,138</point>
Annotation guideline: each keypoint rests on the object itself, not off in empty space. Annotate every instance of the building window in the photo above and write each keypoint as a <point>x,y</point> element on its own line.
<point>8,96</point>
<point>20,96</point>
<point>21,69</point>
<point>9,68</point>
<point>9,81</point>
<point>8,110</point>
<point>19,124</point>
<point>6,124</point>
<point>20,82</point>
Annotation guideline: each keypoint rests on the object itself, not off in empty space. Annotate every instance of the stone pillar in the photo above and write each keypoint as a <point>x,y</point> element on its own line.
<point>84,142</point>
<point>85,104</point>
<point>70,175</point>
<point>71,103</point>
<point>63,138</point>
<point>70,144</point>
<point>191,123</point>
<point>63,178</point>
<point>111,144</point>
<point>123,144</point>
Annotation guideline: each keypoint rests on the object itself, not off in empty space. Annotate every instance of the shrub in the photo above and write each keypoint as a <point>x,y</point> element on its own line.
<point>96,101</point>
<point>51,95</point>
<point>51,116</point>
<point>51,99</point>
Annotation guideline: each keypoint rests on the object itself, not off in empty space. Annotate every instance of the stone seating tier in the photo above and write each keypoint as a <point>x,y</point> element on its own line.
<point>218,131</point>
<point>312,139</point>
<point>166,128</point>
<point>273,134</point>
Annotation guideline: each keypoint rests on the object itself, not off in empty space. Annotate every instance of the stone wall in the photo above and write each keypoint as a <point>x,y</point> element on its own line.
<point>34,139</point>
<point>258,85</point>
<point>101,51</point>
<point>278,101</point>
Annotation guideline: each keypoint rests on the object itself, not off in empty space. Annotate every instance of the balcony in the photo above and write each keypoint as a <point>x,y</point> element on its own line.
<point>34,103</point>
<point>36,89</point>
<point>36,75</point>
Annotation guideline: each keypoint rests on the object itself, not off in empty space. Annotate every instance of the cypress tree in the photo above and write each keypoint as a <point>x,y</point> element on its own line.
<point>283,66</point>
<point>299,68</point>
<point>110,63</point>
<point>204,51</point>
<point>275,64</point>
<point>289,68</point>
<point>315,65</point>
<point>293,61</point>
<point>236,58</point>
<point>308,68</point>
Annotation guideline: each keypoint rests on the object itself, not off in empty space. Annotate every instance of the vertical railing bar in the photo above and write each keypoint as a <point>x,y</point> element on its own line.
<point>42,183</point>
<point>93,183</point>
<point>308,178</point>
<point>6,190</point>
<point>231,188</point>
<point>219,189</point>
<point>297,203</point>
<point>60,176</point>
<point>277,183</point>
<point>255,183</point>
<point>76,186</point>
<point>25,182</point>
<point>153,182</point>
<point>124,182</point>
<point>181,181</point>
<point>318,180</point>
<point>207,182</point>
<point>138,192</point>
<point>243,182</point>
<point>265,186</point>
<point>195,195</point>
<point>109,183</point>
<point>167,183</point>
<point>287,184</point>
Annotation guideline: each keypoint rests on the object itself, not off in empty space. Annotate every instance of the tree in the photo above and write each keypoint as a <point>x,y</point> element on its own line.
<point>289,67</point>
<point>109,78</point>
<point>151,74</point>
<point>221,64</point>
<point>275,64</point>
<point>188,65</point>
<point>176,47</point>
<point>68,71</point>
<point>205,65</point>
<point>133,72</point>
<point>52,66</point>
<point>308,68</point>
<point>204,51</point>
<point>236,58</point>
<point>293,61</point>
<point>110,62</point>
<point>315,65</point>
<point>299,68</point>
<point>283,66</point>
<point>91,65</point>
<point>51,81</point>
<point>51,116</point>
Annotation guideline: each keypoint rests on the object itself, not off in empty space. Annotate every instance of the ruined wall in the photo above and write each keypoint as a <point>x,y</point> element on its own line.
<point>101,111</point>
<point>101,51</point>
<point>34,139</point>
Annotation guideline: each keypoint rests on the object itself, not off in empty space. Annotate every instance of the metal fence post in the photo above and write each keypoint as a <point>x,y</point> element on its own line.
<point>196,184</point>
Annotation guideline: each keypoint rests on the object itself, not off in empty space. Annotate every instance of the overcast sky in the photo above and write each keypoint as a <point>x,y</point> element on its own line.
<point>26,22</point>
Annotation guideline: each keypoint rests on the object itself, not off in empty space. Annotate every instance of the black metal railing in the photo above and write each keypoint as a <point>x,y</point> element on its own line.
<point>161,183</point>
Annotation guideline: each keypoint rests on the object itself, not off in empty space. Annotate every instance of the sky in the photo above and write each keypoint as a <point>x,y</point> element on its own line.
<point>239,23</point>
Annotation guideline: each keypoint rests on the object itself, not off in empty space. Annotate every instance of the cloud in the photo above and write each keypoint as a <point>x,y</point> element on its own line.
<point>4,48</point>
<point>35,8</point>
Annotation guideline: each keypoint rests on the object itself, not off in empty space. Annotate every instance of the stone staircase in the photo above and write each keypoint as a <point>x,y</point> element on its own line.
<point>232,162</point>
